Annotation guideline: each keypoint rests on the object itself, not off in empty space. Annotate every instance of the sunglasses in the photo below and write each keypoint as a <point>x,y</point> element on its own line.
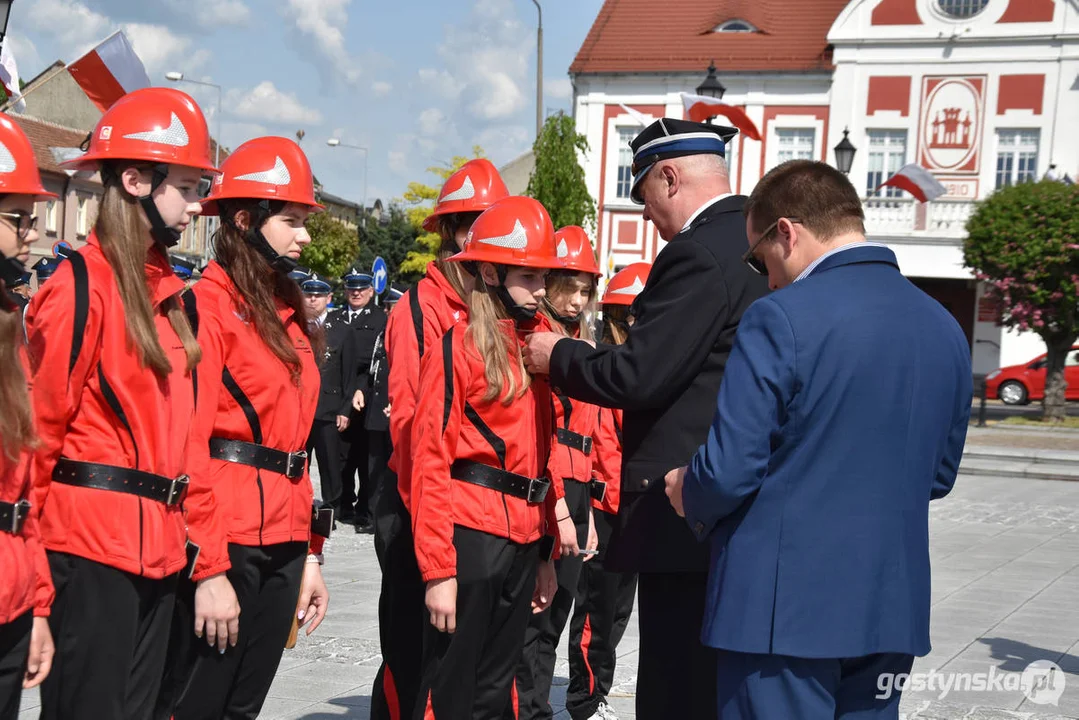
<point>751,260</point>
<point>22,222</point>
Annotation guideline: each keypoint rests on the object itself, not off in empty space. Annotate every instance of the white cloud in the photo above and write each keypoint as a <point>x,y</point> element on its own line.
<point>442,83</point>
<point>213,13</point>
<point>25,55</point>
<point>69,23</point>
<point>505,142</point>
<point>558,88</point>
<point>237,133</point>
<point>398,162</point>
<point>323,21</point>
<point>381,88</point>
<point>265,103</point>
<point>432,122</point>
<point>162,51</point>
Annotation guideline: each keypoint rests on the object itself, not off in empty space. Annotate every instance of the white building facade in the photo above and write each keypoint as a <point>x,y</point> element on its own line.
<point>983,93</point>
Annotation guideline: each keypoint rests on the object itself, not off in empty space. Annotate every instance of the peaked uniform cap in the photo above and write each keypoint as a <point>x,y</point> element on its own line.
<point>154,124</point>
<point>515,231</point>
<point>316,284</point>
<point>18,169</point>
<point>670,138</point>
<point>356,280</point>
<point>626,284</point>
<point>472,189</point>
<point>575,248</point>
<point>266,168</point>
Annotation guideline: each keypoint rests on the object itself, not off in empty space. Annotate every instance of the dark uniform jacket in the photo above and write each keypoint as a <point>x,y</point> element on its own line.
<point>666,378</point>
<point>339,366</point>
<point>375,388</point>
<point>366,326</point>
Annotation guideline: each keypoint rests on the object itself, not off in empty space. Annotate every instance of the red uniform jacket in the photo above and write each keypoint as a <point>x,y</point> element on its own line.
<point>74,420</point>
<point>607,456</point>
<point>239,503</point>
<point>452,378</point>
<point>441,308</point>
<point>23,565</point>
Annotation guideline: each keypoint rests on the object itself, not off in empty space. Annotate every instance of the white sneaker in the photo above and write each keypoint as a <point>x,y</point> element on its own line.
<point>606,712</point>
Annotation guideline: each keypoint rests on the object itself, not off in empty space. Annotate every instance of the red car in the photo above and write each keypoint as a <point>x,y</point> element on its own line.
<point>1019,384</point>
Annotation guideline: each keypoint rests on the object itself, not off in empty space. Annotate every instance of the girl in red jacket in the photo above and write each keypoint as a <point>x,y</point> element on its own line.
<point>258,387</point>
<point>112,356</point>
<point>26,646</point>
<point>479,448</point>
<point>604,598</point>
<point>570,295</point>
<point>417,323</point>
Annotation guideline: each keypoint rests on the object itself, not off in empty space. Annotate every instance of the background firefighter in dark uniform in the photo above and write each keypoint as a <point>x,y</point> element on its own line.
<point>338,367</point>
<point>367,321</point>
<point>373,383</point>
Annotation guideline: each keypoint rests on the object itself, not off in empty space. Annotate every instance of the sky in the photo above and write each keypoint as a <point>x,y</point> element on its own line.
<point>414,81</point>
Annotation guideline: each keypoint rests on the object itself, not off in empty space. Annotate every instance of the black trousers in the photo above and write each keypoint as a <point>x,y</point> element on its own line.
<point>379,476</point>
<point>14,653</point>
<point>325,441</point>
<point>354,452</point>
<point>535,672</point>
<point>469,675</point>
<point>600,616</point>
<point>111,632</point>
<point>676,674</point>
<point>402,611</point>
<point>234,685</point>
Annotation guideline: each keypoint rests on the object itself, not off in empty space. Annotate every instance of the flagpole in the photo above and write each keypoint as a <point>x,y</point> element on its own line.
<point>10,101</point>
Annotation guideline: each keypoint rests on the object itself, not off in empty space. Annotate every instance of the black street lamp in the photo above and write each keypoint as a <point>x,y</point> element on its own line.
<point>711,87</point>
<point>844,153</point>
<point>5,13</point>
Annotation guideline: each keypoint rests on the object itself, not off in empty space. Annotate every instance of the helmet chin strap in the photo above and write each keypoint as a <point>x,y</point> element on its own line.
<point>570,322</point>
<point>517,313</point>
<point>11,270</point>
<point>254,237</point>
<point>162,234</point>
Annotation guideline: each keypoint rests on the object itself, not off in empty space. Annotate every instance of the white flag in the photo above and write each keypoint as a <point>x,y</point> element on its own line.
<point>9,76</point>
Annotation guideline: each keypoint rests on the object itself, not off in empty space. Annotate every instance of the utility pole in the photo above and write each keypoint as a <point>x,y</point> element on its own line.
<point>539,69</point>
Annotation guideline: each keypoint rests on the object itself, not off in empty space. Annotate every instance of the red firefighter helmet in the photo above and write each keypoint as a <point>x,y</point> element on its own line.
<point>266,168</point>
<point>576,250</point>
<point>472,189</point>
<point>515,231</point>
<point>626,284</point>
<point>155,124</point>
<point>18,168</point>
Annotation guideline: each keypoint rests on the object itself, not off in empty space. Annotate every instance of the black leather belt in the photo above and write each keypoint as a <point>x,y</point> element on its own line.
<point>598,490</point>
<point>291,465</point>
<point>13,516</point>
<point>170,491</point>
<point>574,440</point>
<point>534,490</point>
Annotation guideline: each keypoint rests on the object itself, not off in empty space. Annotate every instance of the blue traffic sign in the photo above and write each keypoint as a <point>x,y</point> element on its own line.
<point>381,275</point>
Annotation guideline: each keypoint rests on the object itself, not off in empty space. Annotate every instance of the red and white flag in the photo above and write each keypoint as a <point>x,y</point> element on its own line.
<point>9,76</point>
<point>916,180</point>
<point>699,108</point>
<point>109,71</point>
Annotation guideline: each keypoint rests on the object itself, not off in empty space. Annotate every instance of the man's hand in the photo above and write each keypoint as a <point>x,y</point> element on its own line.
<point>314,597</point>
<point>674,481</point>
<point>217,612</point>
<point>357,401</point>
<point>546,587</point>
<point>592,543</point>
<point>342,423</point>
<point>567,530</point>
<point>386,410</point>
<point>41,651</point>
<point>441,601</point>
<point>537,352</point>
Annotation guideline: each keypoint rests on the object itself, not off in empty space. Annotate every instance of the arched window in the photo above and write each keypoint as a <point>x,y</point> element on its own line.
<point>735,26</point>
<point>962,9</point>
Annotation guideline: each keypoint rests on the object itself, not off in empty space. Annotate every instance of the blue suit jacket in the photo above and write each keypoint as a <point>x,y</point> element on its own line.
<point>842,413</point>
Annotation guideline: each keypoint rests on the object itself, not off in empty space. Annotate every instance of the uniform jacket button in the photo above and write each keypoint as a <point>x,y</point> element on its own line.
<point>698,528</point>
<point>645,483</point>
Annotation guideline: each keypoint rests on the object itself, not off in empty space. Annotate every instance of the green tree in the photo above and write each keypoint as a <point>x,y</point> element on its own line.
<point>1024,242</point>
<point>558,178</point>
<point>333,245</point>
<point>420,200</point>
<point>392,241</point>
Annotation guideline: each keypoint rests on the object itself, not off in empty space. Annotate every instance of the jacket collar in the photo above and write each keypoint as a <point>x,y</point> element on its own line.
<point>728,203</point>
<point>160,277</point>
<point>443,284</point>
<point>855,254</point>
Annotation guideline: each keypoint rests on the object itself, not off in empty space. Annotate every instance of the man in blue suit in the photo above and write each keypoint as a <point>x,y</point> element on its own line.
<point>842,413</point>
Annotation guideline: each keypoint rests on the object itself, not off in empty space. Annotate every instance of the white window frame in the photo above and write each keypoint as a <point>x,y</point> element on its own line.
<point>615,124</point>
<point>791,122</point>
<point>82,215</point>
<point>724,26</point>
<point>890,164</point>
<point>1015,150</point>
<point>621,134</point>
<point>51,207</point>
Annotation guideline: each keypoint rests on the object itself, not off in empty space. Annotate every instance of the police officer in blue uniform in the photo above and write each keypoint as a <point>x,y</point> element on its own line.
<point>366,321</point>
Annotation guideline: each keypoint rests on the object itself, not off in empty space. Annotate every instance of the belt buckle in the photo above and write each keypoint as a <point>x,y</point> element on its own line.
<point>20,511</point>
<point>177,490</point>
<point>586,444</point>
<point>537,490</point>
<point>599,490</point>
<point>291,472</point>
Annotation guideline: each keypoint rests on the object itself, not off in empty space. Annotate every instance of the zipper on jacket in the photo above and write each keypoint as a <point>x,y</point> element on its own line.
<point>262,504</point>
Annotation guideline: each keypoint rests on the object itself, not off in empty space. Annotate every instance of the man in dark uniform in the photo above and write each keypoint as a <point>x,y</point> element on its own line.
<point>20,293</point>
<point>374,384</point>
<point>367,321</point>
<point>666,378</point>
<point>340,380</point>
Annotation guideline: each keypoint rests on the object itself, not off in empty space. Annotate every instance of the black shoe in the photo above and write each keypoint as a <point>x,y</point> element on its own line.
<point>364,527</point>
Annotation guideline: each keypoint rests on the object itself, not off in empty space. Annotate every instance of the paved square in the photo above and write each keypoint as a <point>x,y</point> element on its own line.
<point>1005,593</point>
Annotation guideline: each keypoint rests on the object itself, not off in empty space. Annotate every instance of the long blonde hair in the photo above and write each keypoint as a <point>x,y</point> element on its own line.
<point>562,283</point>
<point>616,320</point>
<point>447,230</point>
<point>503,364</point>
<point>122,233</point>
<point>16,422</point>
